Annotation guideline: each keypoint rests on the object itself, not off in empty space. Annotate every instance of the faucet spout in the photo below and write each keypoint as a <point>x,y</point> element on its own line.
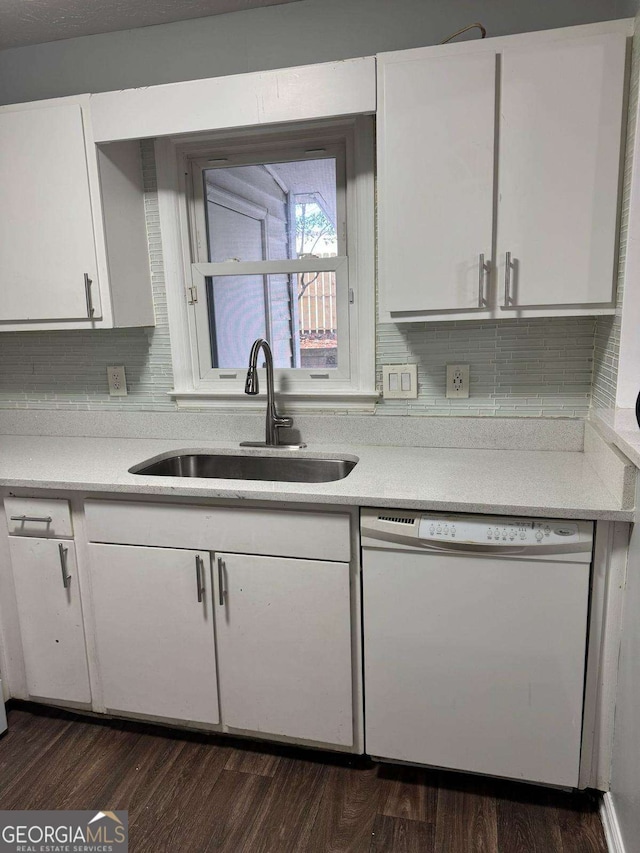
<point>251,385</point>
<point>274,422</point>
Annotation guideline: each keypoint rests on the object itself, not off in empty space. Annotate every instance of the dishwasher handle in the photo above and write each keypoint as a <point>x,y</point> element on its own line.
<point>540,550</point>
<point>426,546</point>
<point>472,548</point>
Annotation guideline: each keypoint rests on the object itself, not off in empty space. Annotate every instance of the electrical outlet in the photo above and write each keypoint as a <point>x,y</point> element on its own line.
<point>457,380</point>
<point>117,381</point>
<point>399,381</point>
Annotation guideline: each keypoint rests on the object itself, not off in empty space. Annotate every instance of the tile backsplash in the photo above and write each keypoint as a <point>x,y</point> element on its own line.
<point>536,368</point>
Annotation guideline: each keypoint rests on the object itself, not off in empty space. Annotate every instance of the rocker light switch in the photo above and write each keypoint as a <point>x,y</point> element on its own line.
<point>399,381</point>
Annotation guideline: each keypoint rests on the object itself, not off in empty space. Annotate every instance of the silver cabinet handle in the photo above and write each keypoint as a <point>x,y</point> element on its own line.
<point>66,578</point>
<point>199,580</point>
<point>45,519</point>
<point>507,279</point>
<point>484,268</point>
<point>221,590</point>
<point>87,292</point>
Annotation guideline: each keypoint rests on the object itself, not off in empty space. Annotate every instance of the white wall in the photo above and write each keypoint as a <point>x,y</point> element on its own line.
<point>625,774</point>
<point>272,37</point>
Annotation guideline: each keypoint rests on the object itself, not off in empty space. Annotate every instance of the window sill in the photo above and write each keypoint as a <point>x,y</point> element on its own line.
<point>361,401</point>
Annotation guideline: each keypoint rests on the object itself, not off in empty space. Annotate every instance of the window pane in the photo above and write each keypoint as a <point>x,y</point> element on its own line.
<point>240,235</point>
<point>318,319</point>
<point>271,211</point>
<point>237,316</point>
<point>296,313</point>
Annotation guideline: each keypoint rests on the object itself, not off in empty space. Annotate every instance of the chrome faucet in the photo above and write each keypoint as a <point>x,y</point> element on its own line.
<point>274,421</point>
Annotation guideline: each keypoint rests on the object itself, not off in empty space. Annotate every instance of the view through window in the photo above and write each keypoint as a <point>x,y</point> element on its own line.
<point>258,217</point>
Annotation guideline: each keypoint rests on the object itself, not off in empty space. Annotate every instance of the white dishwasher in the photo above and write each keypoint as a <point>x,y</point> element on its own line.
<point>475,631</point>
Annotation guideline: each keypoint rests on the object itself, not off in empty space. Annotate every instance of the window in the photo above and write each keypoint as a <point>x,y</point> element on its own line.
<point>273,246</point>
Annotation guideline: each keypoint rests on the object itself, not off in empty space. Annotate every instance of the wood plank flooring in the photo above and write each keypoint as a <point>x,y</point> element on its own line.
<point>204,793</point>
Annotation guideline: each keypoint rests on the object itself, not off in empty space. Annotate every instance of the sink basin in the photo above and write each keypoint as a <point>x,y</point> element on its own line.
<point>289,469</point>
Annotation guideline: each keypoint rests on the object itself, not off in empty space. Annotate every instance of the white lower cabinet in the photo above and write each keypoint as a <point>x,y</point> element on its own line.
<point>283,628</point>
<point>50,617</point>
<point>270,651</point>
<point>182,625</point>
<point>279,628</point>
<point>154,631</point>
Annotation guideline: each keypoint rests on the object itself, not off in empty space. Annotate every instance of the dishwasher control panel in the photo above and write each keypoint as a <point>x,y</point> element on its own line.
<point>498,531</point>
<point>485,530</point>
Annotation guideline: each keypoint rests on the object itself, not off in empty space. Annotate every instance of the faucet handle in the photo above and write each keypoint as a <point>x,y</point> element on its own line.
<point>283,421</point>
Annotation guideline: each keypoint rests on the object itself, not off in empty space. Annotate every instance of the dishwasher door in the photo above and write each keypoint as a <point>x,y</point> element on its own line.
<point>476,662</point>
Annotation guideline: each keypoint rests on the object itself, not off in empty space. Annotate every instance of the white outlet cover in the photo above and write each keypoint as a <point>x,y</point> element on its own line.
<point>457,381</point>
<point>400,381</point>
<point>117,380</point>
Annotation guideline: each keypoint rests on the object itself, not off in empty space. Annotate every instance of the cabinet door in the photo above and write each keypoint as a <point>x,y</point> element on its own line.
<point>50,616</point>
<point>155,642</point>
<point>435,181</point>
<point>46,230</point>
<point>560,140</point>
<point>284,647</point>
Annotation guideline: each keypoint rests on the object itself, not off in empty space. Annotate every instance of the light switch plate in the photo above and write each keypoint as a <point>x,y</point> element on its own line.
<point>400,381</point>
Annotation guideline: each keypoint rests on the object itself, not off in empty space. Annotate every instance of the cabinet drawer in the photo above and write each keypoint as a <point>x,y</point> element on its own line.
<point>283,533</point>
<point>38,517</point>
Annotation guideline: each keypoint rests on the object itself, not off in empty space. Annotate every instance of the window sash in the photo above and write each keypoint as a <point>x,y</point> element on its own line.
<point>261,155</point>
<point>295,379</point>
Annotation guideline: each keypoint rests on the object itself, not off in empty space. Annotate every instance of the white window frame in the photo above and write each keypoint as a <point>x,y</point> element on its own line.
<point>298,380</point>
<point>298,387</point>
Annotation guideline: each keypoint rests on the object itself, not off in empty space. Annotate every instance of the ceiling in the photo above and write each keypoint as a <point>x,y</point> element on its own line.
<point>25,22</point>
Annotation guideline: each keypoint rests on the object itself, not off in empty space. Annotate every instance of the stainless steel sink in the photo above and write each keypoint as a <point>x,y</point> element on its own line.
<point>290,469</point>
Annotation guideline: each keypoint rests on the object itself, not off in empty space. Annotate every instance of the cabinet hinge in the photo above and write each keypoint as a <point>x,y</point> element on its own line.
<point>192,294</point>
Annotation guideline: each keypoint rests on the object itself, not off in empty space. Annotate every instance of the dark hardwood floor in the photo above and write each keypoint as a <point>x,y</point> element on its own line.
<point>201,793</point>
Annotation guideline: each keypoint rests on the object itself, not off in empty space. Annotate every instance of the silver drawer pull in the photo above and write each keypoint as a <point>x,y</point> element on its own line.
<point>66,578</point>
<point>45,519</point>
<point>87,292</point>
<point>221,590</point>
<point>199,580</point>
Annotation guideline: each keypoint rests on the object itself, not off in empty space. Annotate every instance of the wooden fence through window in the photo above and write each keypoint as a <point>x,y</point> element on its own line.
<point>317,305</point>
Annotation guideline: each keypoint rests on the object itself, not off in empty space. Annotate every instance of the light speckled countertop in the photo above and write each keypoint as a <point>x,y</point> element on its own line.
<point>537,483</point>
<point>620,427</point>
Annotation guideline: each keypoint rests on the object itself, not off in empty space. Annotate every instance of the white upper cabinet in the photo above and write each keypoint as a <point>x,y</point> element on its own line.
<point>435,181</point>
<point>508,148</point>
<point>46,232</point>
<point>73,251</point>
<point>560,125</point>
